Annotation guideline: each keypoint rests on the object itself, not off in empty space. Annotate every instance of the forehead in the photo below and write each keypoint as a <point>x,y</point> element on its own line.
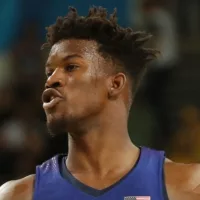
<point>84,48</point>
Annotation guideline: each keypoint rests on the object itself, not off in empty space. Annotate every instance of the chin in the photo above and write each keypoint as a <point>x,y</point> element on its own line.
<point>56,125</point>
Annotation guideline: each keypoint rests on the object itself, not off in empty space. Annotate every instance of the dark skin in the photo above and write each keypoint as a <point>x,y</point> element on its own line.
<point>98,135</point>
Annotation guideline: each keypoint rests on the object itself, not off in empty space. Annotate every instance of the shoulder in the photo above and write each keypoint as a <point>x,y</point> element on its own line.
<point>18,189</point>
<point>182,177</point>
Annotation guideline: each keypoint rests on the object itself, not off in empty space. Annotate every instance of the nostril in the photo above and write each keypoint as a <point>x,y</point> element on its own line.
<point>55,85</point>
<point>50,83</point>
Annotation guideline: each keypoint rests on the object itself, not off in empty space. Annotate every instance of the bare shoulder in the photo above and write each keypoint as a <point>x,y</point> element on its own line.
<point>18,189</point>
<point>183,177</point>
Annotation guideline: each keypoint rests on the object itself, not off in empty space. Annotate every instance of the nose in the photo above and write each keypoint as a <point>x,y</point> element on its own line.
<point>55,80</point>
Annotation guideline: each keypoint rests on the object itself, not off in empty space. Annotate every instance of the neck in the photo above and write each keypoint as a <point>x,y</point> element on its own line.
<point>103,147</point>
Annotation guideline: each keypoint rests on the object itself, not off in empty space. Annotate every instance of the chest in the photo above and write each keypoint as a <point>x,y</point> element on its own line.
<point>130,187</point>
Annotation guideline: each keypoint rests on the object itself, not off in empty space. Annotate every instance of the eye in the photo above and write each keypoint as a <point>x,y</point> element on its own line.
<point>48,74</point>
<point>71,67</point>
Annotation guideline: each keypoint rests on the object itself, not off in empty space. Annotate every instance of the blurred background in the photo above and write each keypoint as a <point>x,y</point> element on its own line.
<point>166,111</point>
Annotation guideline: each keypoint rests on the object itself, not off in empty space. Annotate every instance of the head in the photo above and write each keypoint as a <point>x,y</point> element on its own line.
<point>94,65</point>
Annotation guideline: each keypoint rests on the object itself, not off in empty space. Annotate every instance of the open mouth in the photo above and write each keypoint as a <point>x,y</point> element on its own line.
<point>50,98</point>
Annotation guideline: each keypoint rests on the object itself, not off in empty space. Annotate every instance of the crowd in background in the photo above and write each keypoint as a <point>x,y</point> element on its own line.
<point>165,114</point>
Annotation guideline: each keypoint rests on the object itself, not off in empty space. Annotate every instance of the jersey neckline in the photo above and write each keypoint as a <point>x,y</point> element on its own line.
<point>67,176</point>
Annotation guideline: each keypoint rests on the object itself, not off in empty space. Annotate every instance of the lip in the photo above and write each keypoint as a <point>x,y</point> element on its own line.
<point>46,98</point>
<point>52,103</point>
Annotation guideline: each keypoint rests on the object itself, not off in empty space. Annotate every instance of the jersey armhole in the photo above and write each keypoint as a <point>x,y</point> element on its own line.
<point>36,184</point>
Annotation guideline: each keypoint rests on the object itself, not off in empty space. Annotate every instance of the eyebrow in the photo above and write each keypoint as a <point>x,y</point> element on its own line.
<point>72,56</point>
<point>65,58</point>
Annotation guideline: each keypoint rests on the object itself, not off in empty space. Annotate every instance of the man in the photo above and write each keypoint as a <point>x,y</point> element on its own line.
<point>92,68</point>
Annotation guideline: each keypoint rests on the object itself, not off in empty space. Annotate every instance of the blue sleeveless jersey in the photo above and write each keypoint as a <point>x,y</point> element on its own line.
<point>146,179</point>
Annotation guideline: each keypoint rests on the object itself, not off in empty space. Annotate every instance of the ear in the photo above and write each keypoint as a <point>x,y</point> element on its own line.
<point>117,84</point>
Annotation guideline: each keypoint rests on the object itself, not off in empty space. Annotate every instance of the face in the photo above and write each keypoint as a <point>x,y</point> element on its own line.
<point>76,86</point>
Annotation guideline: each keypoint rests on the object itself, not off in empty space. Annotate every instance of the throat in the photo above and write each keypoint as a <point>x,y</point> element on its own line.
<point>100,156</point>
<point>96,183</point>
<point>100,176</point>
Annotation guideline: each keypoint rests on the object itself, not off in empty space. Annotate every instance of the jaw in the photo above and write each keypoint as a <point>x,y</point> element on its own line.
<point>56,123</point>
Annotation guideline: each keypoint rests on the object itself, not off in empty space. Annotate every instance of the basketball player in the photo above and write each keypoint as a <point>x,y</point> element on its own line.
<point>92,69</point>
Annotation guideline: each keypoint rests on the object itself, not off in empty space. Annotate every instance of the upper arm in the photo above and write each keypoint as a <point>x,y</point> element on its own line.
<point>176,194</point>
<point>6,191</point>
<point>197,189</point>
<point>182,180</point>
<point>167,160</point>
<point>18,190</point>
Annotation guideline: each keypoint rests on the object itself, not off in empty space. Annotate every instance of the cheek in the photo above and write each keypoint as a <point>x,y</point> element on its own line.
<point>96,97</point>
<point>87,100</point>
<point>85,91</point>
<point>89,96</point>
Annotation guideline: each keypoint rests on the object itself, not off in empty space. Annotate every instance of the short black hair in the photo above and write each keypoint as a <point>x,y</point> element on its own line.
<point>122,44</point>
